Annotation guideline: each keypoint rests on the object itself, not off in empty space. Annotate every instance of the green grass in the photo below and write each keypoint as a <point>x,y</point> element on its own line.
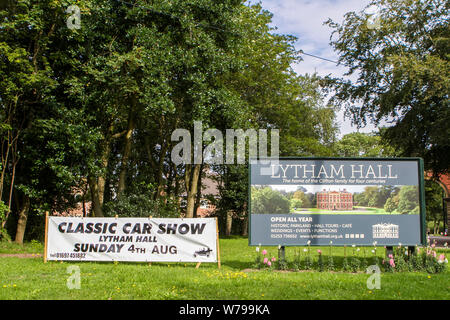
<point>32,279</point>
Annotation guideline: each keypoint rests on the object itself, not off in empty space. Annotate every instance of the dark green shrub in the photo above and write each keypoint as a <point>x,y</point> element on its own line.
<point>141,205</point>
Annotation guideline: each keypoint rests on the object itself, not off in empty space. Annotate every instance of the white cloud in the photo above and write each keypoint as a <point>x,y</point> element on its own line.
<point>305,20</point>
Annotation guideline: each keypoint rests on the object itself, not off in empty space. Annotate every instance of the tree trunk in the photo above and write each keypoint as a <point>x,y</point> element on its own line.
<point>438,226</point>
<point>160,173</point>
<point>96,205</point>
<point>191,179</point>
<point>22,222</point>
<point>229,223</point>
<point>198,196</point>
<point>101,181</point>
<point>4,163</point>
<point>176,190</point>
<point>244,231</point>
<point>170,182</point>
<point>11,190</point>
<point>126,151</point>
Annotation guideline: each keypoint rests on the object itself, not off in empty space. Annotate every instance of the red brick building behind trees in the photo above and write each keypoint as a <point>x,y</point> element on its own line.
<point>334,200</point>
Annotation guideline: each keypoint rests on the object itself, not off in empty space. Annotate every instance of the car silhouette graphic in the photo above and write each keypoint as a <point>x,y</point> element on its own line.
<point>203,252</point>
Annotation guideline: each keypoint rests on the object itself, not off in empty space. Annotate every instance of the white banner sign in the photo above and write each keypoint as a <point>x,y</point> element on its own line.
<point>132,239</point>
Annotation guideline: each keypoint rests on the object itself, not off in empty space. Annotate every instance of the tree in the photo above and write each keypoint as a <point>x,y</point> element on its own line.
<point>295,204</point>
<point>402,75</point>
<point>376,197</point>
<point>155,68</point>
<point>267,200</point>
<point>269,95</point>
<point>304,201</point>
<point>391,204</point>
<point>433,201</point>
<point>358,144</point>
<point>233,191</point>
<point>408,199</point>
<point>45,144</point>
<point>94,108</point>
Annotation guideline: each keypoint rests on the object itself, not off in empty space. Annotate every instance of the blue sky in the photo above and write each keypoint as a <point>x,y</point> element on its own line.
<point>304,19</point>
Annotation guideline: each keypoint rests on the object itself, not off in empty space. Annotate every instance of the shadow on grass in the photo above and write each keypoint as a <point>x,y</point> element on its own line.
<point>236,264</point>
<point>337,261</point>
<point>233,237</point>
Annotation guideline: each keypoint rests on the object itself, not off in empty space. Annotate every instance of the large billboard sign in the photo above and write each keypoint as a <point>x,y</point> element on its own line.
<point>299,201</point>
<point>132,239</point>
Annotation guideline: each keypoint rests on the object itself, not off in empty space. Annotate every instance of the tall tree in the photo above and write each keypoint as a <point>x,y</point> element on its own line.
<point>434,204</point>
<point>358,144</point>
<point>96,106</point>
<point>48,156</point>
<point>402,73</point>
<point>270,95</point>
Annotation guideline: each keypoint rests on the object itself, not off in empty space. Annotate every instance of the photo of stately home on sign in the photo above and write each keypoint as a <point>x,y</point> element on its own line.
<point>334,200</point>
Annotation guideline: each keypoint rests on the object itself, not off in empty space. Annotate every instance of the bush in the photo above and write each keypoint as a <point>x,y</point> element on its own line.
<point>3,211</point>
<point>416,210</point>
<point>427,260</point>
<point>35,229</point>
<point>408,199</point>
<point>400,260</point>
<point>141,205</point>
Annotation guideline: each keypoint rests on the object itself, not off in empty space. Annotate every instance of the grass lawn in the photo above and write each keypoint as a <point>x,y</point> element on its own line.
<point>30,278</point>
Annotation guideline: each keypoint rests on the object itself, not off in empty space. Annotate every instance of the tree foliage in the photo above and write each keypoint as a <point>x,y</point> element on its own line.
<point>434,193</point>
<point>402,75</point>
<point>267,200</point>
<point>87,114</point>
<point>408,200</point>
<point>357,144</point>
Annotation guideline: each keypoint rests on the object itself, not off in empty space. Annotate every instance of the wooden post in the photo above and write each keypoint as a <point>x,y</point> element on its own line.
<point>218,247</point>
<point>46,237</point>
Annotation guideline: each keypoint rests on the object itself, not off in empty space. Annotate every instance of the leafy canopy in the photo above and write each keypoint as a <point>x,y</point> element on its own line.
<point>402,73</point>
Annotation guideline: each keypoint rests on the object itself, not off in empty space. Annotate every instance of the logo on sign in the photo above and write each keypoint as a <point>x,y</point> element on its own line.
<point>385,231</point>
